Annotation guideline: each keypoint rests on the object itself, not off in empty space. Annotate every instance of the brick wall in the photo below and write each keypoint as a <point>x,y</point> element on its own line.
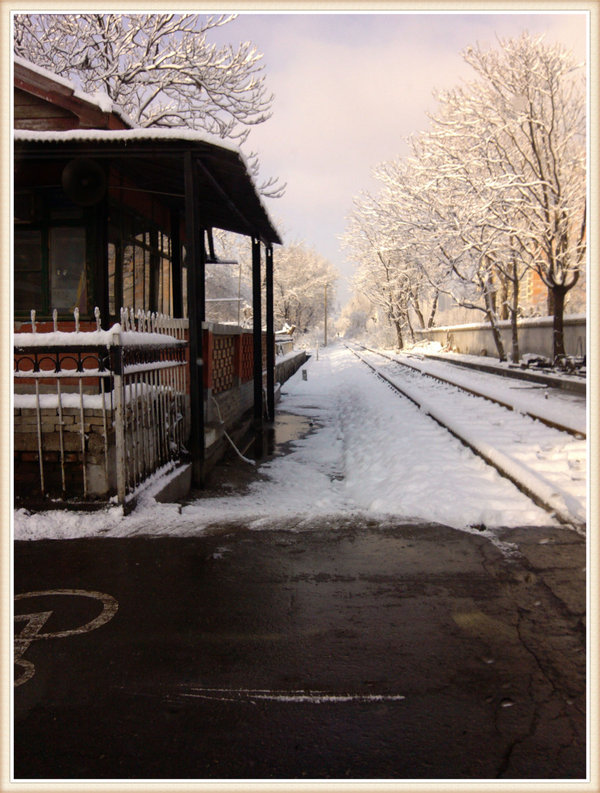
<point>224,369</point>
<point>100,480</point>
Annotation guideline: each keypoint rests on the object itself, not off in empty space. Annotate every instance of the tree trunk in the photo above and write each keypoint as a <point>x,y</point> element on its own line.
<point>550,302</point>
<point>433,310</point>
<point>497,338</point>
<point>418,312</point>
<point>489,304</point>
<point>558,338</point>
<point>410,327</point>
<point>504,313</point>
<point>398,326</point>
<point>502,292</point>
<point>515,354</point>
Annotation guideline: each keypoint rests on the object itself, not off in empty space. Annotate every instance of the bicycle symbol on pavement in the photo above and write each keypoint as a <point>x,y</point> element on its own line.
<point>34,623</point>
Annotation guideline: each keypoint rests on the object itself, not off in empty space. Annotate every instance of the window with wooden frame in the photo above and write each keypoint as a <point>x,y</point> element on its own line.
<point>139,265</point>
<point>50,255</point>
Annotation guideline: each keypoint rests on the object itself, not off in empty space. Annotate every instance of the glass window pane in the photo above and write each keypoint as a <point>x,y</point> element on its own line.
<point>28,270</point>
<point>24,208</point>
<point>28,292</point>
<point>28,250</point>
<point>128,273</point>
<point>147,265</point>
<point>165,298</point>
<point>68,287</point>
<point>112,254</point>
<point>139,279</point>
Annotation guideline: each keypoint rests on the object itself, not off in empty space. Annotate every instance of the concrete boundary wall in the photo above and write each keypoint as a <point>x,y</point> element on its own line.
<point>535,336</point>
<point>284,369</point>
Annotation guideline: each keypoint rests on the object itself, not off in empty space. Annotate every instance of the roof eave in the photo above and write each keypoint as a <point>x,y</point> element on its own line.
<point>223,160</point>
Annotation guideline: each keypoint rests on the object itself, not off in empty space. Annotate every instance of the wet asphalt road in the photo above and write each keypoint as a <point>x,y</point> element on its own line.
<point>340,651</point>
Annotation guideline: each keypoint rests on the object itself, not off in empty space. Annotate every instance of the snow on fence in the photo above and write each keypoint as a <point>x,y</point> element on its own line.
<point>105,409</point>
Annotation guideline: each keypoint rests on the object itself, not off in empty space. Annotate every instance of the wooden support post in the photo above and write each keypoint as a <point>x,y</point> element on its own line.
<point>176,272</point>
<point>270,334</point>
<point>154,274</point>
<point>237,360</point>
<point>196,314</point>
<point>208,346</point>
<point>257,334</point>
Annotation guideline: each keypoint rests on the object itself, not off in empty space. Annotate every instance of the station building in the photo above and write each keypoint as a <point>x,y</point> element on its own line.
<point>118,376</point>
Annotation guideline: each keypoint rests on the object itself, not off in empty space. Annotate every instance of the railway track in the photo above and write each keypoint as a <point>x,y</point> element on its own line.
<point>573,427</point>
<point>545,462</point>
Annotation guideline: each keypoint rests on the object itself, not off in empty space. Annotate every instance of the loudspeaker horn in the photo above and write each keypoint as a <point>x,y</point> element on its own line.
<point>84,181</point>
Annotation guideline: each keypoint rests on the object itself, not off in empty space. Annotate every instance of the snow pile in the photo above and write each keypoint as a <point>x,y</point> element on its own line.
<point>62,338</point>
<point>371,454</point>
<point>425,346</point>
<point>94,338</point>
<point>67,400</point>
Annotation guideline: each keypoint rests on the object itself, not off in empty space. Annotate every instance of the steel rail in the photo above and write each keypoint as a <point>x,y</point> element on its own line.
<point>548,422</point>
<point>533,488</point>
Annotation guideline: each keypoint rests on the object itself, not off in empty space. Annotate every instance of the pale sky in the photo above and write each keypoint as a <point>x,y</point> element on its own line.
<point>350,88</point>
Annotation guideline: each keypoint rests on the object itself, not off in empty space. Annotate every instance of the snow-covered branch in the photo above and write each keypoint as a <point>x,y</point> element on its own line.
<point>160,69</point>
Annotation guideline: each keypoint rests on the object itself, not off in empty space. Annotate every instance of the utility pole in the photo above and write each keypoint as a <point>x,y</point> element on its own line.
<point>325,342</point>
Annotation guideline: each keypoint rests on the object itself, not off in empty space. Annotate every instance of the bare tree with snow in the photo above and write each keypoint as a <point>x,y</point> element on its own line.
<point>377,275</point>
<point>386,260</point>
<point>300,278</point>
<point>527,112</point>
<point>497,185</point>
<point>159,68</point>
<point>469,249</point>
<point>303,283</point>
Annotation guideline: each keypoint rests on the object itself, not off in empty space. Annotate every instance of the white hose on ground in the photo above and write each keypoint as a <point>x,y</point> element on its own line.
<point>245,459</point>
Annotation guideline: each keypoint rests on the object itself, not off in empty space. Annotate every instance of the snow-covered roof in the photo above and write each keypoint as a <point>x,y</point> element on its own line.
<point>125,135</point>
<point>227,196</point>
<point>99,99</point>
<point>33,67</point>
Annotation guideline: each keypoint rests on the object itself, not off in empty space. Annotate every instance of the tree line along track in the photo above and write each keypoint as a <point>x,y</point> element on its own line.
<point>535,486</point>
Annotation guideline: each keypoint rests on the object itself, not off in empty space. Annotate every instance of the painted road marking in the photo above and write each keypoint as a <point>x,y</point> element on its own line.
<point>35,622</point>
<point>311,697</point>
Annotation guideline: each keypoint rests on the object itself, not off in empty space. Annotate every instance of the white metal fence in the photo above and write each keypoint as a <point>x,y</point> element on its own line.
<point>99,411</point>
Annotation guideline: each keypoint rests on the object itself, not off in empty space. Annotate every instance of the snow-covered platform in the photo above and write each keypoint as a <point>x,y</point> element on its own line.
<point>567,382</point>
<point>363,451</point>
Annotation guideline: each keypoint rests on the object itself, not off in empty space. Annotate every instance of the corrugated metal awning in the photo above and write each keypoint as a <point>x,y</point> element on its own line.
<point>153,160</point>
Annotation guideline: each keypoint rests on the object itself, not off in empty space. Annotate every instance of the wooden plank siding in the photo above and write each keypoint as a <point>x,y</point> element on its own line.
<point>44,104</point>
<point>32,112</point>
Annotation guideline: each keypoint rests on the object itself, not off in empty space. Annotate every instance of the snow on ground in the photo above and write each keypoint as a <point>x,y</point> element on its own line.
<point>436,349</point>
<point>369,455</point>
<point>562,407</point>
<point>550,462</point>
